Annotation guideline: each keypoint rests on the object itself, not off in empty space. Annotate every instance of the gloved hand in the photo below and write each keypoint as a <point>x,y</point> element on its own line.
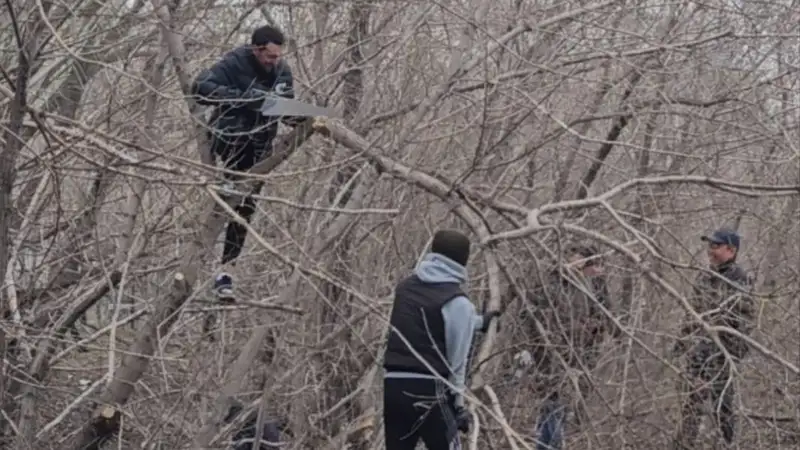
<point>523,358</point>
<point>487,320</point>
<point>488,316</point>
<point>254,97</point>
<point>293,121</point>
<point>463,419</point>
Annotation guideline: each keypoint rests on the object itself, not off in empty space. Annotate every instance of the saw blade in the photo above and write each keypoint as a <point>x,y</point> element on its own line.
<point>279,106</point>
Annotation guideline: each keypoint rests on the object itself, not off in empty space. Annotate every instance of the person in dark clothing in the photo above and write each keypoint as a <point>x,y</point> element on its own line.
<point>566,305</point>
<point>244,437</point>
<point>240,135</point>
<point>437,323</point>
<point>722,298</point>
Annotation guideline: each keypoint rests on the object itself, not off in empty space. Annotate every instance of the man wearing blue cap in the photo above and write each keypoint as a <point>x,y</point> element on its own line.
<point>721,297</point>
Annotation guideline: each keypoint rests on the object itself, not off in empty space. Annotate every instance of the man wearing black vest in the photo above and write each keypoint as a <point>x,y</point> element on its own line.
<point>437,323</point>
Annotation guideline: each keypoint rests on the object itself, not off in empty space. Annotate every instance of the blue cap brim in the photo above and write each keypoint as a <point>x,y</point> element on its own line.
<point>712,240</point>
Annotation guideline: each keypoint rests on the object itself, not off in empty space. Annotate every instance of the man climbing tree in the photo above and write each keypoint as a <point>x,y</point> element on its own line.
<point>567,306</point>
<point>240,134</point>
<point>722,298</point>
<point>437,323</point>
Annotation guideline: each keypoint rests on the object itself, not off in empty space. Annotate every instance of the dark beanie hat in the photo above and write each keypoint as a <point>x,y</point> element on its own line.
<point>452,244</point>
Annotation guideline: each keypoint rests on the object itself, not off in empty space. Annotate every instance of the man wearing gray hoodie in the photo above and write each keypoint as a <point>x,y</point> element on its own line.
<point>432,325</point>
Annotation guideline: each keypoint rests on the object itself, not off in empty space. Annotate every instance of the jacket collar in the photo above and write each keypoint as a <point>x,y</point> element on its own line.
<point>726,266</point>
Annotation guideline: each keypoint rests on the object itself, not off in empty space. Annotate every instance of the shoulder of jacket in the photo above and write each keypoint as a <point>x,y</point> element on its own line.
<point>235,60</point>
<point>738,273</point>
<point>238,54</point>
<point>461,299</point>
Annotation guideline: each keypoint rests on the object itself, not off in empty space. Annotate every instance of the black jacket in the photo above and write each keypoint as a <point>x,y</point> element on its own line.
<point>417,315</point>
<point>721,299</point>
<point>232,85</point>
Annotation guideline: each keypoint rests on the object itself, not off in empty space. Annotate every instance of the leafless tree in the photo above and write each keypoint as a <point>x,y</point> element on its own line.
<point>635,126</point>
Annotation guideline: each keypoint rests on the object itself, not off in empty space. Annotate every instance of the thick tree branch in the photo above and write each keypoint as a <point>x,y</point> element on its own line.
<point>535,216</point>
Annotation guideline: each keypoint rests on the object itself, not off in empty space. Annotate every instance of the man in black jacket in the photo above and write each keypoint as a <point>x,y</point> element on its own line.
<point>722,298</point>
<point>240,135</point>
<point>437,323</point>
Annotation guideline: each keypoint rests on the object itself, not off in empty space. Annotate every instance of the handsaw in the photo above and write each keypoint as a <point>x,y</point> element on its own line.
<point>279,106</point>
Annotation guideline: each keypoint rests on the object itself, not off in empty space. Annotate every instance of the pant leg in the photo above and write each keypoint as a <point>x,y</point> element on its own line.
<point>271,434</point>
<point>690,419</point>
<point>722,394</point>
<point>589,362</point>
<point>399,414</point>
<point>550,428</point>
<point>240,157</point>
<point>244,438</point>
<point>695,390</point>
<point>237,153</point>
<point>236,233</point>
<point>440,429</point>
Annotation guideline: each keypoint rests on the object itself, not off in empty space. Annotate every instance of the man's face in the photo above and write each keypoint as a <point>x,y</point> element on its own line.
<point>268,55</point>
<point>720,253</point>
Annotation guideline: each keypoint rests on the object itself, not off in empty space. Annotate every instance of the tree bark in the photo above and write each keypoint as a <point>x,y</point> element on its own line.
<point>26,50</point>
